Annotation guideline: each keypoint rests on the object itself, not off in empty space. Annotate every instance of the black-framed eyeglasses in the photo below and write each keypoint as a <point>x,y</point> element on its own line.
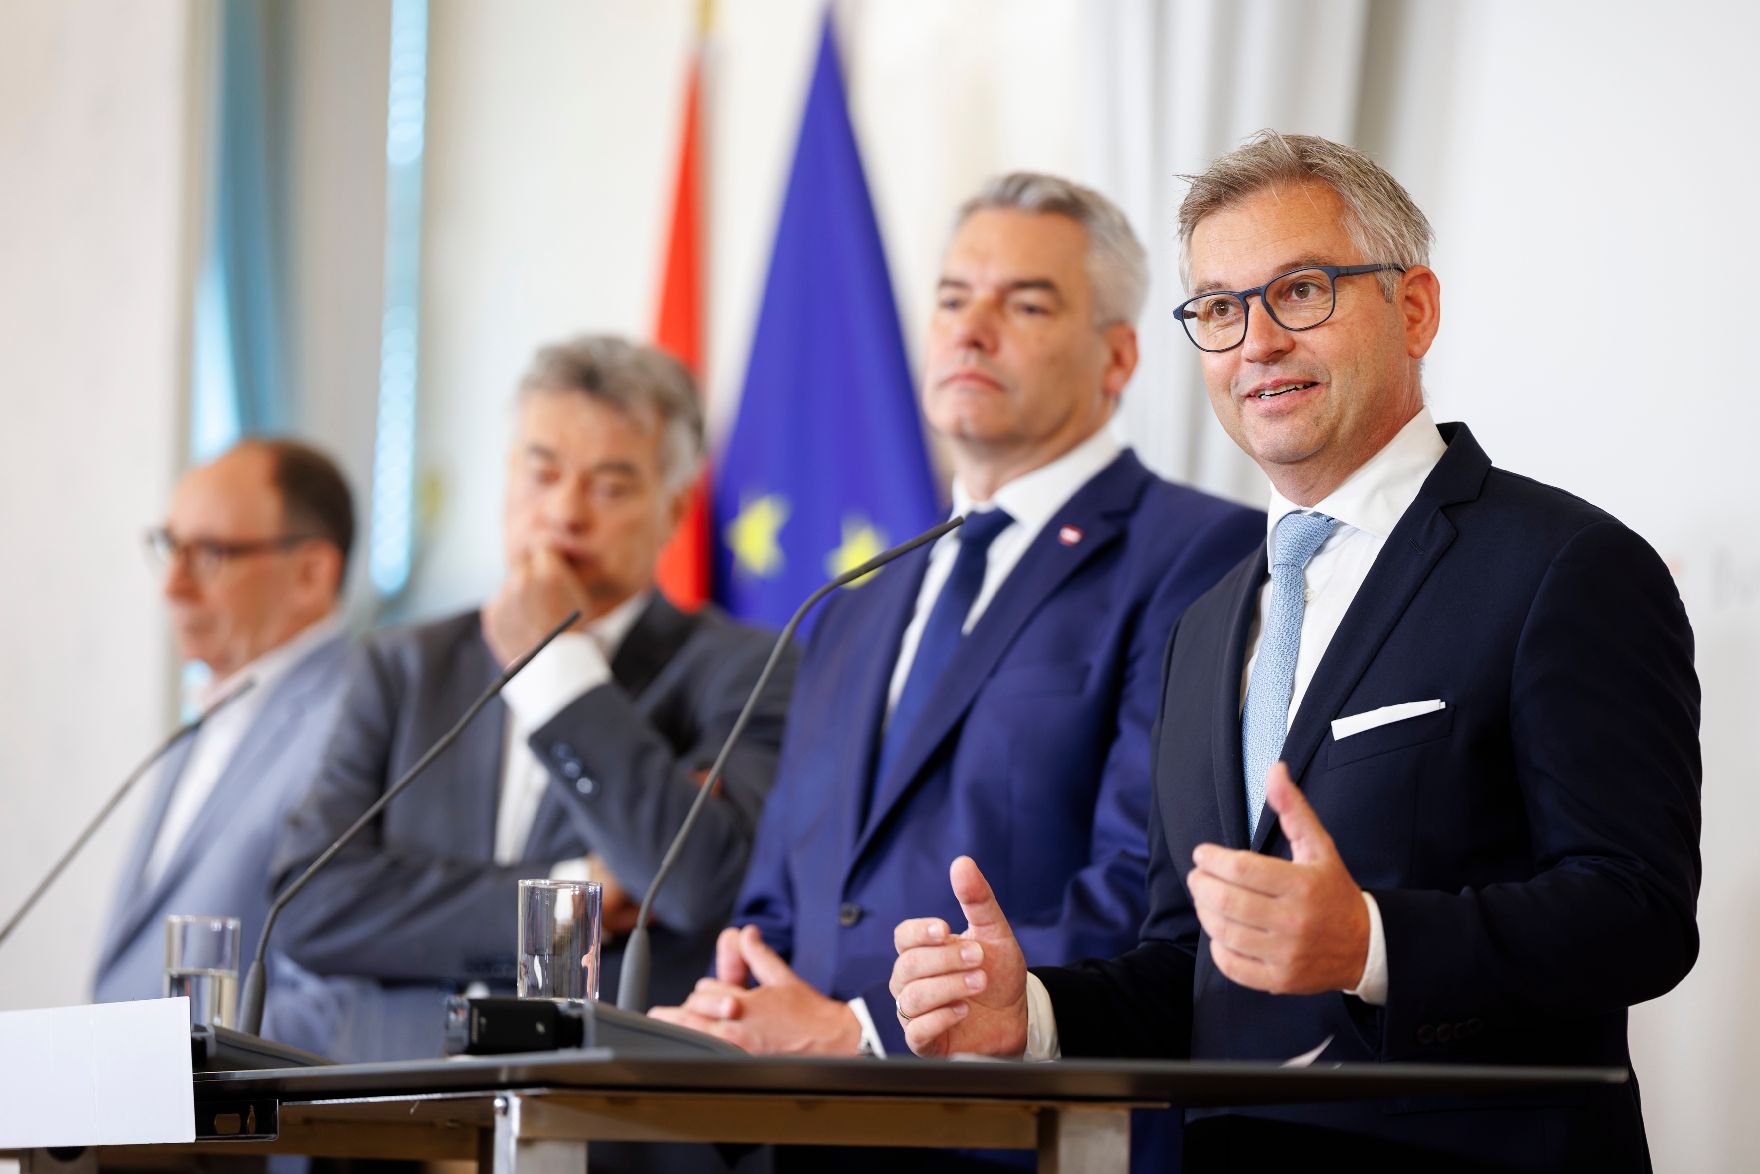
<point>206,556</point>
<point>1298,300</point>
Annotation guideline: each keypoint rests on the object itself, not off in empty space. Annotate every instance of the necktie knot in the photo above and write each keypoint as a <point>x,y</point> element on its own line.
<point>1298,536</point>
<point>980,529</point>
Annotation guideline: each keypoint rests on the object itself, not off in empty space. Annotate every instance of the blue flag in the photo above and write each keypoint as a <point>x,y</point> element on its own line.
<point>826,465</point>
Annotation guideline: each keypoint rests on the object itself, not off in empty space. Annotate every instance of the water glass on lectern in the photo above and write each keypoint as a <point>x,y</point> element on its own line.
<point>558,939</point>
<point>201,961</point>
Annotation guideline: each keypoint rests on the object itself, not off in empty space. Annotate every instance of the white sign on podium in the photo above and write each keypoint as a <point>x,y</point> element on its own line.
<point>105,1074</point>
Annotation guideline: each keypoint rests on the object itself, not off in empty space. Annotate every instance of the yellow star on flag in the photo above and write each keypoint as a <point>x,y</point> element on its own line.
<point>752,535</point>
<point>861,542</point>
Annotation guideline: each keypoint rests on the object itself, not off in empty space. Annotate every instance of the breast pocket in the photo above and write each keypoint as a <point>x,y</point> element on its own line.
<point>1398,735</point>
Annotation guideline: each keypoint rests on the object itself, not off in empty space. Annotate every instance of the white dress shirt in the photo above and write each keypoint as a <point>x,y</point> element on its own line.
<point>218,738</point>
<point>1032,500</point>
<point>569,666</point>
<point>1367,505</point>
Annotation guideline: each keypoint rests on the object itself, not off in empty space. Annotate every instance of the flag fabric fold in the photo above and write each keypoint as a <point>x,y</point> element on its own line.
<point>825,466</point>
<point>683,569</point>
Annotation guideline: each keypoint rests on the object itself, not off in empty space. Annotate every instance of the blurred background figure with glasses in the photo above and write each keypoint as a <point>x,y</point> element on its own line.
<point>253,554</point>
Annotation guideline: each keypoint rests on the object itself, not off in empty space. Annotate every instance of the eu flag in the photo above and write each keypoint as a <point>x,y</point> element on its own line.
<point>825,466</point>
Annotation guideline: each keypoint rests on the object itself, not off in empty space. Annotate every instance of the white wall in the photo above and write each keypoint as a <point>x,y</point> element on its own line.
<point>94,219</point>
<point>1594,205</point>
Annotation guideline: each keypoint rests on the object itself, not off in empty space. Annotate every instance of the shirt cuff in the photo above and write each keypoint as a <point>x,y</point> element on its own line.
<point>570,665</point>
<point>1041,1023</point>
<point>871,1045</point>
<point>1372,987</point>
<point>577,869</point>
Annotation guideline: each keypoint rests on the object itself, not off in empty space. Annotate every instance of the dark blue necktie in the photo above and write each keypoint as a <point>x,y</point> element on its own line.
<point>943,632</point>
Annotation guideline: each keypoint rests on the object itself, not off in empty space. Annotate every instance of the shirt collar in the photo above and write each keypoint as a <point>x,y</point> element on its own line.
<point>611,629</point>
<point>1382,488</point>
<point>266,671</point>
<point>1032,498</point>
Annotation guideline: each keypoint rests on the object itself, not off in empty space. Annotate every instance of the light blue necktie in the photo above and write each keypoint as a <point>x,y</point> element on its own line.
<point>1265,717</point>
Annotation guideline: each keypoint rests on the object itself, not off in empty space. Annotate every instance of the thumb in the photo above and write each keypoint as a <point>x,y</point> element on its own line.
<point>1307,836</point>
<point>767,965</point>
<point>729,966</point>
<point>984,918</point>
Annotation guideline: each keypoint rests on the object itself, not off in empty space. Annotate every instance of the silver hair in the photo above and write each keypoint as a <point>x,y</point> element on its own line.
<point>629,376</point>
<point>1117,264</point>
<point>1382,221</point>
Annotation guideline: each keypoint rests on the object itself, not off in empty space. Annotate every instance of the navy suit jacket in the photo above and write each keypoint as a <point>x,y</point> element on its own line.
<point>418,908</point>
<point>1032,754</point>
<point>222,864</point>
<point>1533,847</point>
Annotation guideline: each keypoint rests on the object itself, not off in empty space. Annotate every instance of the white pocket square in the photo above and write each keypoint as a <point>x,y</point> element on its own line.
<point>1344,727</point>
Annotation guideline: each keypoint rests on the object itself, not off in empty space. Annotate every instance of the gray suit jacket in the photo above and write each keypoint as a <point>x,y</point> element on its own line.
<point>418,908</point>
<point>222,865</point>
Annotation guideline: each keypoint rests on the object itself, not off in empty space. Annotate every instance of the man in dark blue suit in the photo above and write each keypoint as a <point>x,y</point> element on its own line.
<point>996,691</point>
<point>1430,793</point>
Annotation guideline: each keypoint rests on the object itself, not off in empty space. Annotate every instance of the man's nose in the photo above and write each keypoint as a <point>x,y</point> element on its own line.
<point>1266,339</point>
<point>975,326</point>
<point>569,507</point>
<point>179,582</point>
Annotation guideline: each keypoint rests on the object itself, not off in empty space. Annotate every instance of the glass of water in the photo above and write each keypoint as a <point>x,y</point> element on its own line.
<point>558,939</point>
<point>201,961</point>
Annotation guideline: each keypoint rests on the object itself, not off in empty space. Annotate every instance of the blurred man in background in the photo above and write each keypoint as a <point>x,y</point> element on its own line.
<point>254,550</point>
<point>587,762</point>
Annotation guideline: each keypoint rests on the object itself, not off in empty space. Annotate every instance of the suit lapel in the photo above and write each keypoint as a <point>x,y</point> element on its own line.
<point>1406,560</point>
<point>262,740</point>
<point>895,591</point>
<point>1244,585</point>
<point>466,668</point>
<point>653,643</point>
<point>131,904</point>
<point>1097,512</point>
<point>250,761</point>
<point>654,640</point>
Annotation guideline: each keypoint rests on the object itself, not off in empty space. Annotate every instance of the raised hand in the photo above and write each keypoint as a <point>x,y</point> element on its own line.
<point>961,992</point>
<point>539,590</point>
<point>1292,927</point>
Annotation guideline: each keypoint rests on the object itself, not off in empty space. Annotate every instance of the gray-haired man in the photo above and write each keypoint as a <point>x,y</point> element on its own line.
<point>591,755</point>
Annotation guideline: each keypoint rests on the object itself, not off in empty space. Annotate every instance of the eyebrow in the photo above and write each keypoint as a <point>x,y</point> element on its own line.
<point>620,467</point>
<point>1296,263</point>
<point>1023,284</point>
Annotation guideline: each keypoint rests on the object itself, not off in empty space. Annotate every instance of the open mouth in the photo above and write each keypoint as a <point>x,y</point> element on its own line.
<point>1282,389</point>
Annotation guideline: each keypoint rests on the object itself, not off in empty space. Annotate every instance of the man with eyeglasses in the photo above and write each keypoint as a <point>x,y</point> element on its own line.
<point>1427,769</point>
<point>254,552</point>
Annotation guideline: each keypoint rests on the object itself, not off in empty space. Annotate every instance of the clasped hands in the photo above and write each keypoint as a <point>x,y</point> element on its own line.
<point>1296,926</point>
<point>780,1015</point>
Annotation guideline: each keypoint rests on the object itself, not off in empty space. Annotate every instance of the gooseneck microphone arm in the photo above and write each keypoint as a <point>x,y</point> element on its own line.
<point>250,999</point>
<point>632,980</point>
<point>134,777</point>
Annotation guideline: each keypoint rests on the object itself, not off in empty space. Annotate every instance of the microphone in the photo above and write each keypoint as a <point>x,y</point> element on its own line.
<point>632,981</point>
<point>128,783</point>
<point>250,999</point>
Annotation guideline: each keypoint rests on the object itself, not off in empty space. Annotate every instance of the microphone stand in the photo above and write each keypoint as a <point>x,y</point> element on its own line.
<point>250,1000</point>
<point>632,981</point>
<point>128,783</point>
